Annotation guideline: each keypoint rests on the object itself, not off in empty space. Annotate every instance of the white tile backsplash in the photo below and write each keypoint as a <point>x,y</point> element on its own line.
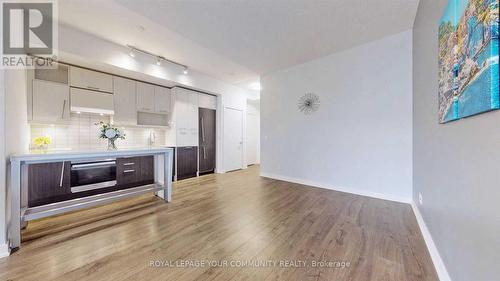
<point>82,134</point>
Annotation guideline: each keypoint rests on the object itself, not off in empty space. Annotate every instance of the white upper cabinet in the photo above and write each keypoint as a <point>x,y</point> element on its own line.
<point>186,117</point>
<point>207,101</point>
<point>162,100</point>
<point>145,97</point>
<point>124,101</point>
<point>92,80</point>
<point>50,102</point>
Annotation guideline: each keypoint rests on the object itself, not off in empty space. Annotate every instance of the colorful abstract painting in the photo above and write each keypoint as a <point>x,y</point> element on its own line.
<point>468,59</point>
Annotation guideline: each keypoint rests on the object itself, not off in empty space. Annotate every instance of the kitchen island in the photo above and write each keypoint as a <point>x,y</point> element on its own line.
<point>50,183</point>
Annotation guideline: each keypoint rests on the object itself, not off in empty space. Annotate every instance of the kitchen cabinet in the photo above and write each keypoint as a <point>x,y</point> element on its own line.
<point>60,74</point>
<point>124,97</point>
<point>207,101</point>
<point>50,102</point>
<point>187,162</point>
<point>206,140</point>
<point>162,100</point>
<point>92,80</point>
<point>134,171</point>
<point>145,97</point>
<point>48,182</point>
<point>186,117</point>
<point>89,101</point>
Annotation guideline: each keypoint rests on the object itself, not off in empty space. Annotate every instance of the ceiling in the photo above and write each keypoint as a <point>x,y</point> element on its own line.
<point>237,41</point>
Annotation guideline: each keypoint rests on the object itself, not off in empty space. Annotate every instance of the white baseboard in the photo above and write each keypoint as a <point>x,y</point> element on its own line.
<point>368,193</point>
<point>4,250</point>
<point>431,247</point>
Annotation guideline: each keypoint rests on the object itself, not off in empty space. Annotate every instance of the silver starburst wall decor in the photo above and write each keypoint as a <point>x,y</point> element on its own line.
<point>309,103</point>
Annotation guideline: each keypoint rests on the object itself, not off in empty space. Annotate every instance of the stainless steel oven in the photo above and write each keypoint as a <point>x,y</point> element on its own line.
<point>89,175</point>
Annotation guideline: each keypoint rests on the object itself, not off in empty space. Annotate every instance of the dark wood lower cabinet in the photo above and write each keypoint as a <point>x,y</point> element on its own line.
<point>187,162</point>
<point>51,182</point>
<point>47,181</point>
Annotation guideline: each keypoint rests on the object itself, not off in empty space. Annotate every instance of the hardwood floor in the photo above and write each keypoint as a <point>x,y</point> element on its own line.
<point>234,217</point>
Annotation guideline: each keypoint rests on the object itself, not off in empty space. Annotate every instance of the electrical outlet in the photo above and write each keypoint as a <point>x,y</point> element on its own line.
<point>420,198</point>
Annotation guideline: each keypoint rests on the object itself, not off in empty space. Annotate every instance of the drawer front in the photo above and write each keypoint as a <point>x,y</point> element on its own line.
<point>128,170</point>
<point>134,171</point>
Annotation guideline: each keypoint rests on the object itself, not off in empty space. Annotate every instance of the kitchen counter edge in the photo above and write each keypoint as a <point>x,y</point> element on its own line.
<point>63,155</point>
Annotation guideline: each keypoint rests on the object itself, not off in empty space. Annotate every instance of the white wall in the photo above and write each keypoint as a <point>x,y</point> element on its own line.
<point>360,140</point>
<point>455,166</point>
<point>16,126</point>
<point>3,167</point>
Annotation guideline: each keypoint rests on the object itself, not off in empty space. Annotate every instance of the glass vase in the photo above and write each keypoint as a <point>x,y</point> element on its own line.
<point>111,144</point>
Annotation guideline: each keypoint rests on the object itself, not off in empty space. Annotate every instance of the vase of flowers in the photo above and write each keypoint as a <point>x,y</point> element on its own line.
<point>107,131</point>
<point>42,142</point>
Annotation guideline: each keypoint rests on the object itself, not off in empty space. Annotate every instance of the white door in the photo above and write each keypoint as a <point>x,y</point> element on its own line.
<point>252,136</point>
<point>233,139</point>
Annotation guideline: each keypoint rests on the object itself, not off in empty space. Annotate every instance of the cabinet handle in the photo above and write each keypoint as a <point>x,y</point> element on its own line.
<point>63,109</point>
<point>128,171</point>
<point>202,130</point>
<point>93,88</point>
<point>204,153</point>
<point>128,164</point>
<point>62,175</point>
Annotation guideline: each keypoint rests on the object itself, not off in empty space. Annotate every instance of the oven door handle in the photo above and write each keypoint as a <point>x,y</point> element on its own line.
<point>93,165</point>
<point>62,175</point>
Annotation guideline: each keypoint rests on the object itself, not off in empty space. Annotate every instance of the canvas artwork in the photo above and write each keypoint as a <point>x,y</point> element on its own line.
<point>468,59</point>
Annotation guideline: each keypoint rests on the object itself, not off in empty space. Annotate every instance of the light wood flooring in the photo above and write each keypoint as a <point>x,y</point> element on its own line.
<point>235,217</point>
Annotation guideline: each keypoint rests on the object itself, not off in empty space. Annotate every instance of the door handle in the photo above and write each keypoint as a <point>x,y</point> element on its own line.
<point>202,130</point>
<point>93,165</point>
<point>63,109</point>
<point>62,175</point>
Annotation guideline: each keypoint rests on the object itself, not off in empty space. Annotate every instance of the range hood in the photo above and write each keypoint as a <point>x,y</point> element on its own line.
<point>89,101</point>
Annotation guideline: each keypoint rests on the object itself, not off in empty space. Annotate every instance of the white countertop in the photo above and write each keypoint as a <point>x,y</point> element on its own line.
<point>43,155</point>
